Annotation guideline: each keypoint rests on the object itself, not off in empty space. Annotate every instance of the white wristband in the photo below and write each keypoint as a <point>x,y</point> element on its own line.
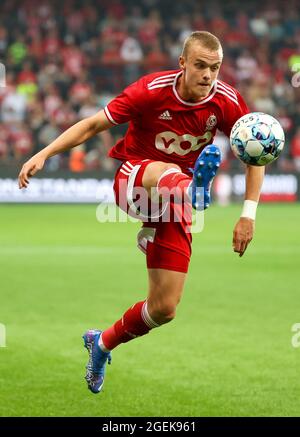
<point>249,209</point>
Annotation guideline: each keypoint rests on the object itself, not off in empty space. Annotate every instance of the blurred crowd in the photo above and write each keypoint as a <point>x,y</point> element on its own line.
<point>66,59</point>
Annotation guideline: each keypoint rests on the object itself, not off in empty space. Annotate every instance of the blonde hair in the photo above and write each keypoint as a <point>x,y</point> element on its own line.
<point>207,39</point>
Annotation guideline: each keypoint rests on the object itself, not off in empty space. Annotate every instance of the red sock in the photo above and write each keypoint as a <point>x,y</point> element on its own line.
<point>134,323</point>
<point>175,182</point>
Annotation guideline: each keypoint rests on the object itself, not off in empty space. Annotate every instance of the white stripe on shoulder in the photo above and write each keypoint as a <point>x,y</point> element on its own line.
<point>166,76</point>
<point>159,85</point>
<point>225,85</point>
<point>234,96</point>
<point>228,96</point>
<point>109,116</point>
<point>161,81</point>
<point>229,91</point>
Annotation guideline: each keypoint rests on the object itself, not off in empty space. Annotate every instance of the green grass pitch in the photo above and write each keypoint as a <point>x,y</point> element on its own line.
<point>227,353</point>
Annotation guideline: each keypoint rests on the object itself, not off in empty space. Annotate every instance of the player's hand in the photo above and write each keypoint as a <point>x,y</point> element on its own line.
<point>30,168</point>
<point>242,234</point>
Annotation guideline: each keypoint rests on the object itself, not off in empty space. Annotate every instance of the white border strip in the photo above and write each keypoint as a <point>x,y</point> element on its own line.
<point>108,115</point>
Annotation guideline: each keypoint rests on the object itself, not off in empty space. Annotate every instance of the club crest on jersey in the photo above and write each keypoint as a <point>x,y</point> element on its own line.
<point>165,116</point>
<point>211,122</point>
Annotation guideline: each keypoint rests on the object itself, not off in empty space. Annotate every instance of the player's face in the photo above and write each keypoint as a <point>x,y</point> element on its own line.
<point>200,70</point>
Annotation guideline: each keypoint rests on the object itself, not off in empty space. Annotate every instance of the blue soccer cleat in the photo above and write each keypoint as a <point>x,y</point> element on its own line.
<point>204,171</point>
<point>95,368</point>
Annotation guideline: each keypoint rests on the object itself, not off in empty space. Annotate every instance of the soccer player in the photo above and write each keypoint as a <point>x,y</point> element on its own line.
<point>173,117</point>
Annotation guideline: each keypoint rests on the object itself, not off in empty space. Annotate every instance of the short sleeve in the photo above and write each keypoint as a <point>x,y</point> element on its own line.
<point>127,105</point>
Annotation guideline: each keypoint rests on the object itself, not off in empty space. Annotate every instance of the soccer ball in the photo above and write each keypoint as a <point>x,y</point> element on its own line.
<point>257,138</point>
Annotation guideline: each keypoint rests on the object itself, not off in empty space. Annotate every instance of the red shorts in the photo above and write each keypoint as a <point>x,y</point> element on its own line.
<point>164,238</point>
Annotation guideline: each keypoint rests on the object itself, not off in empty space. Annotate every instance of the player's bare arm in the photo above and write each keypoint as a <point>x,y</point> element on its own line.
<point>75,135</point>
<point>244,229</point>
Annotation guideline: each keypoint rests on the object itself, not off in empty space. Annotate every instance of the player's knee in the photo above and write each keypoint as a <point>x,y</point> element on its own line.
<point>163,312</point>
<point>166,166</point>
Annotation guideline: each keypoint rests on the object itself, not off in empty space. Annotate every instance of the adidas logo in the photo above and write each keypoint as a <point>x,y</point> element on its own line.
<point>165,116</point>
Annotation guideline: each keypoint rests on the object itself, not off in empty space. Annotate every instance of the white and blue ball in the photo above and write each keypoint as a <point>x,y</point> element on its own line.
<point>257,138</point>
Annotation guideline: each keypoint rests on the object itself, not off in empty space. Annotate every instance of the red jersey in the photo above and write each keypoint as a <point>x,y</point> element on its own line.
<point>164,127</point>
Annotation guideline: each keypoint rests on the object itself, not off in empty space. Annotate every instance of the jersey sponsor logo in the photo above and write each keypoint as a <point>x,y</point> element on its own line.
<point>211,122</point>
<point>169,142</point>
<point>165,116</point>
